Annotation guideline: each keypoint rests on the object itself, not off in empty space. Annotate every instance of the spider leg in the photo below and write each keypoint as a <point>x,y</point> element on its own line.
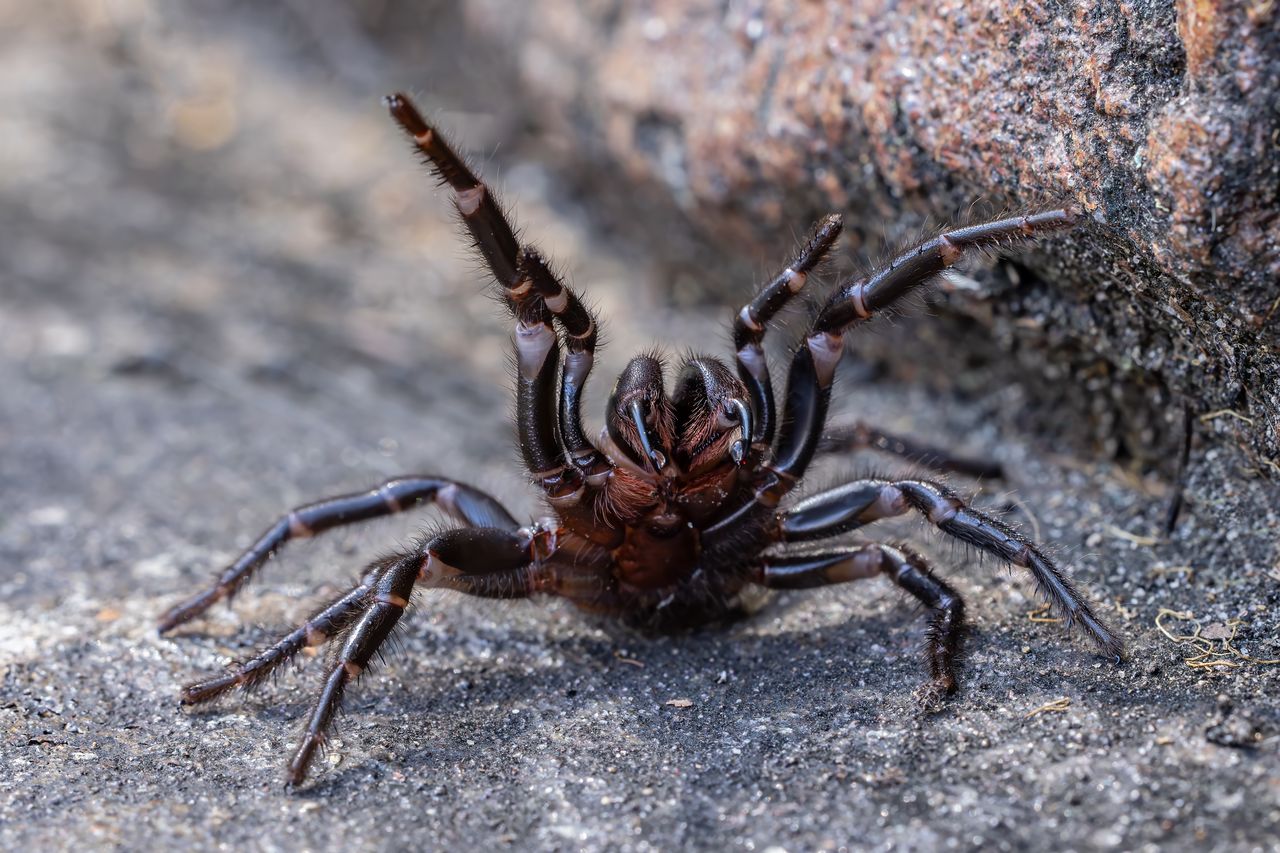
<point>483,218</point>
<point>581,332</point>
<point>860,502</point>
<point>905,568</point>
<point>752,321</point>
<point>483,561</point>
<point>324,623</point>
<point>537,365</point>
<point>814,364</point>
<point>859,436</point>
<point>535,296</point>
<point>465,503</point>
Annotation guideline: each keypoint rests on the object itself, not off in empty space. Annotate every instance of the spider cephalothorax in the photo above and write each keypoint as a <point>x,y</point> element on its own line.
<point>680,504</point>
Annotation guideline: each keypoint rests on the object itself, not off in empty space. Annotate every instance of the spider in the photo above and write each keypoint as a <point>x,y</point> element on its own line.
<point>680,506</point>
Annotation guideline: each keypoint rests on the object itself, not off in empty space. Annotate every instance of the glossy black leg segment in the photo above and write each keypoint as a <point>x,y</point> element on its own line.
<point>537,371</point>
<point>862,298</point>
<point>581,332</point>
<point>909,571</point>
<point>807,570</point>
<point>326,622</point>
<point>389,599</point>
<point>835,511</point>
<point>483,218</point>
<point>822,567</point>
<point>488,562</point>
<point>753,320</point>
<point>814,364</point>
<point>859,436</point>
<point>808,397</point>
<point>464,559</point>
<point>468,505</point>
<point>862,501</point>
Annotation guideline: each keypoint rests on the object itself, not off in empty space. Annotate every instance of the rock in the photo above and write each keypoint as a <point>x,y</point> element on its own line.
<point>1160,121</point>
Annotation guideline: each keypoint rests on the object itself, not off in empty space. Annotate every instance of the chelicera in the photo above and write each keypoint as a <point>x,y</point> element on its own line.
<point>680,505</point>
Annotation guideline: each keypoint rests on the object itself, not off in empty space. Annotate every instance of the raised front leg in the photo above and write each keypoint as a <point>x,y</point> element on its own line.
<point>488,226</point>
<point>750,325</point>
<point>814,365</point>
<point>548,426</point>
<point>468,505</point>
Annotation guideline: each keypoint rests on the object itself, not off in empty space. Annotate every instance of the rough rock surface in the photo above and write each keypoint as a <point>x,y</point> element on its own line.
<point>1160,120</point>
<point>227,288</point>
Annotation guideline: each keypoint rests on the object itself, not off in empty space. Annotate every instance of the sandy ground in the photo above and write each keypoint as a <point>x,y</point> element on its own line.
<point>226,289</point>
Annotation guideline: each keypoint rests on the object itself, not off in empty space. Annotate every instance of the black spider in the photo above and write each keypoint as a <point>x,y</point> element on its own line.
<point>678,507</point>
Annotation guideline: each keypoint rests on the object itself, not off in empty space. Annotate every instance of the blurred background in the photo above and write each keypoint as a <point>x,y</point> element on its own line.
<point>227,287</point>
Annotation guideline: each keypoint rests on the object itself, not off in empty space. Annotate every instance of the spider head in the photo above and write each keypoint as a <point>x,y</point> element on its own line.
<point>713,419</point>
<point>639,421</point>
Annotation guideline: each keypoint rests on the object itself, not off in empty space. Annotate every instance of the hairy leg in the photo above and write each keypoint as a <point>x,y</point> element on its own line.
<point>905,568</point>
<point>487,225</point>
<point>752,321</point>
<point>859,436</point>
<point>465,503</point>
<point>482,561</point>
<point>581,331</point>
<point>814,364</point>
<point>860,502</point>
<point>330,619</point>
<point>536,298</point>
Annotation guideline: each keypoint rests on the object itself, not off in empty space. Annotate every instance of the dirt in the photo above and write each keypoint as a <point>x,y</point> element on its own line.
<point>227,288</point>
